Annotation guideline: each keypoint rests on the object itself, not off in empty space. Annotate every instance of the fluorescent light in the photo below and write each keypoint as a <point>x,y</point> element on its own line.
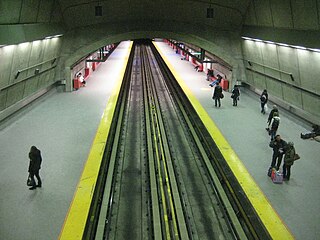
<point>54,36</point>
<point>270,42</point>
<point>281,44</point>
<point>298,47</point>
<point>314,49</point>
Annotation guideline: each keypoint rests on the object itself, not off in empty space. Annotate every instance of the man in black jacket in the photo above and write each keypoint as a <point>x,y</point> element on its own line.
<point>217,94</point>
<point>34,166</point>
<point>278,145</point>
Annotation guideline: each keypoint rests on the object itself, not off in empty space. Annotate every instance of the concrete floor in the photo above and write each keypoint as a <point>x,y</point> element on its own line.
<point>297,200</point>
<point>62,125</point>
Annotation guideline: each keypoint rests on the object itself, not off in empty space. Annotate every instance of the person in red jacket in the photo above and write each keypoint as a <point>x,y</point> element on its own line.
<point>34,166</point>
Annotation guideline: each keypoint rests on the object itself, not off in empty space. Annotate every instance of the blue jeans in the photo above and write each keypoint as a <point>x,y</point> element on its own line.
<point>276,157</point>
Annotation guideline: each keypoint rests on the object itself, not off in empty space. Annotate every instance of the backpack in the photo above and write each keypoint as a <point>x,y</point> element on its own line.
<point>275,123</point>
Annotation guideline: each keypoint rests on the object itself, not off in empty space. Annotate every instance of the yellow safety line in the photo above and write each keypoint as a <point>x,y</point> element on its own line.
<point>75,221</point>
<point>270,218</point>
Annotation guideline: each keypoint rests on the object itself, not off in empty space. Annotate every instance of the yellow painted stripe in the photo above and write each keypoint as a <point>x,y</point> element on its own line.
<point>75,221</point>
<point>272,221</point>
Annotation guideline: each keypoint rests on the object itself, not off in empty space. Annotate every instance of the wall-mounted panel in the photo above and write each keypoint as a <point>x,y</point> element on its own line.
<point>36,52</point>
<point>249,77</point>
<point>250,17</point>
<point>288,61</point>
<point>20,61</point>
<point>281,13</point>
<point>45,11</point>
<point>305,14</point>
<point>15,94</point>
<point>6,56</point>
<point>311,104</point>
<point>292,95</point>
<point>31,86</point>
<point>259,80</point>
<point>29,11</point>
<point>3,99</point>
<point>274,87</point>
<point>269,54</point>
<point>263,13</point>
<point>12,7</point>
<point>309,69</point>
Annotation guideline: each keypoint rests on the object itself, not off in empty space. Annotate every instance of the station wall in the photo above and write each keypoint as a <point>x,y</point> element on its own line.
<point>27,68</point>
<point>291,22</point>
<point>277,62</point>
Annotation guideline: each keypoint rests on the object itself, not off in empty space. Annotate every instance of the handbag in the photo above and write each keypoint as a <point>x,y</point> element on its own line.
<point>296,157</point>
<point>29,181</point>
<point>222,96</point>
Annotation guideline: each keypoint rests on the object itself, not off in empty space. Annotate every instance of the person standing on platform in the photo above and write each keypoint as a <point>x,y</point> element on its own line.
<point>278,145</point>
<point>217,95</point>
<point>288,161</point>
<point>34,166</point>
<point>81,79</point>
<point>263,100</point>
<point>271,115</point>
<point>275,121</point>
<point>235,95</point>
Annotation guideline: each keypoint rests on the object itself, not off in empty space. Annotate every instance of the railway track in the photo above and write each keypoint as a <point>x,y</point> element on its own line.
<point>160,179</point>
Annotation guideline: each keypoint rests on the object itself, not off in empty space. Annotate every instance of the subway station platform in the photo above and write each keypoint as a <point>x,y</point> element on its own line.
<point>243,126</point>
<point>63,125</point>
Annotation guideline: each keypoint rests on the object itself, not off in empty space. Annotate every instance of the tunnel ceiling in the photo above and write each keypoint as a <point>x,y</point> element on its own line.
<point>227,13</point>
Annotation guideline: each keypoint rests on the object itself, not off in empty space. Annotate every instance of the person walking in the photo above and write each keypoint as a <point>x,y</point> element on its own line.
<point>263,100</point>
<point>288,161</point>
<point>278,145</point>
<point>271,115</point>
<point>274,125</point>
<point>235,95</point>
<point>217,94</point>
<point>34,167</point>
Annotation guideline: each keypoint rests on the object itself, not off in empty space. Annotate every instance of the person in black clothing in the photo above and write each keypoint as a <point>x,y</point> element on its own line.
<point>263,100</point>
<point>314,133</point>
<point>278,145</point>
<point>235,95</point>
<point>271,115</point>
<point>34,166</point>
<point>217,94</point>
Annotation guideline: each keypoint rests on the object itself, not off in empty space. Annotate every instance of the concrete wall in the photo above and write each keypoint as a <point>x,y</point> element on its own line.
<point>26,58</point>
<point>291,22</point>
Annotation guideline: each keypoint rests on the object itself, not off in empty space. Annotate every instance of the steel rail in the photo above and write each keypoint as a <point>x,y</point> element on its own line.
<point>248,215</point>
<point>172,186</point>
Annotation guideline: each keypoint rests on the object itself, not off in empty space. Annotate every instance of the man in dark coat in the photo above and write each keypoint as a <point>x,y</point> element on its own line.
<point>278,145</point>
<point>217,94</point>
<point>34,166</point>
<point>235,95</point>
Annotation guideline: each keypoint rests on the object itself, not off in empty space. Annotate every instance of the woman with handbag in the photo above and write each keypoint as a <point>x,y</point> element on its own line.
<point>289,159</point>
<point>34,167</point>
